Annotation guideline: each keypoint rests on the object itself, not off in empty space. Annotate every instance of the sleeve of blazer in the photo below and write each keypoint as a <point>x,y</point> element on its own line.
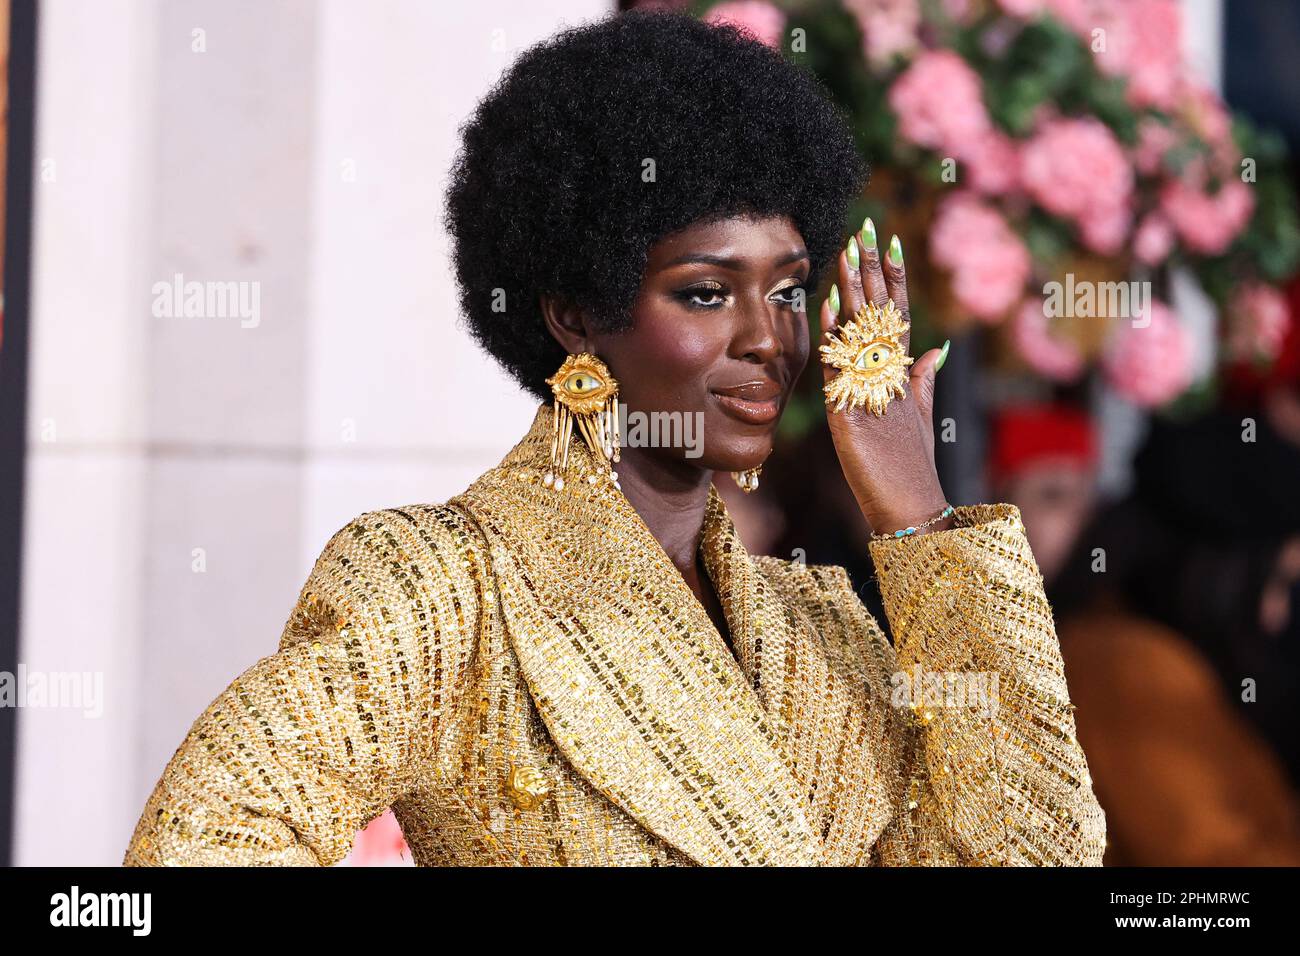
<point>309,744</point>
<point>1000,780</point>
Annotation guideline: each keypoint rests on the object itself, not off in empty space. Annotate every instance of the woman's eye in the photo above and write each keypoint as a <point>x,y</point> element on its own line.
<point>874,355</point>
<point>703,298</point>
<point>791,295</point>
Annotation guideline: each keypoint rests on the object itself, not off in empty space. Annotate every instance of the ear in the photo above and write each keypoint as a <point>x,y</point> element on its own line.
<point>566,322</point>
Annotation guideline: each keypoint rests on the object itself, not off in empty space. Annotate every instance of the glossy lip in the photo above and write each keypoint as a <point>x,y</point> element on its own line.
<point>754,403</point>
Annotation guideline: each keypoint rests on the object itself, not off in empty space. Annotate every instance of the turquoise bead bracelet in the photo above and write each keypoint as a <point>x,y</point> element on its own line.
<point>904,532</point>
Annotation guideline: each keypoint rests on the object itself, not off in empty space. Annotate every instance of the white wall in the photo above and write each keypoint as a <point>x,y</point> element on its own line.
<point>304,150</point>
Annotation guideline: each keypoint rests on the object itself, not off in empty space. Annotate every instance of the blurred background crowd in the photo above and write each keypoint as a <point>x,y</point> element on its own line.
<point>1154,452</point>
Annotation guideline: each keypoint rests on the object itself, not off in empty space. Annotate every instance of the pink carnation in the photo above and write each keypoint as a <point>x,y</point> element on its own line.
<point>1076,168</point>
<point>1210,118</point>
<point>1207,114</point>
<point>962,11</point>
<point>1151,364</point>
<point>1154,240</point>
<point>1260,323</point>
<point>1021,8</point>
<point>1081,16</point>
<point>1207,223</point>
<point>993,163</point>
<point>1155,139</point>
<point>989,263</point>
<point>889,27</point>
<point>1057,359</point>
<point>1105,229</point>
<point>1143,45</point>
<point>758,18</point>
<point>938,101</point>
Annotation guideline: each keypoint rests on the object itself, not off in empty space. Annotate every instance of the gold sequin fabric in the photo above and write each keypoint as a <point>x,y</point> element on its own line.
<point>526,679</point>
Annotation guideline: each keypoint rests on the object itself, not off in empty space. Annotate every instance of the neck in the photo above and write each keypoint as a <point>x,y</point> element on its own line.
<point>671,497</point>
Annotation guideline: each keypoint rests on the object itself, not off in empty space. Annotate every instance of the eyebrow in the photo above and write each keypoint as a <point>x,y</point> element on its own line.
<point>730,262</point>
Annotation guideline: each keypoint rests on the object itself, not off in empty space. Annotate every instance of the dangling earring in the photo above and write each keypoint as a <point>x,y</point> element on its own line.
<point>586,393</point>
<point>747,479</point>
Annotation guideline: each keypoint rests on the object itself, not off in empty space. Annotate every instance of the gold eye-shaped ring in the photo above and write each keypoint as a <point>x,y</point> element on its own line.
<point>872,362</point>
<point>875,355</point>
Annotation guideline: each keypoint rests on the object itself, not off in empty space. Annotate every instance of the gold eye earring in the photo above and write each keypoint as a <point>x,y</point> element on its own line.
<point>586,394</point>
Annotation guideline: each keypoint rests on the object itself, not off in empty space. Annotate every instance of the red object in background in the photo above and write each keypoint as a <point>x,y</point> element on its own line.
<point>1244,383</point>
<point>1023,435</point>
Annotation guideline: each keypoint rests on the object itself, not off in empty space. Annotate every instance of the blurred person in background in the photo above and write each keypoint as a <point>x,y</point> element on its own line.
<point>1160,614</point>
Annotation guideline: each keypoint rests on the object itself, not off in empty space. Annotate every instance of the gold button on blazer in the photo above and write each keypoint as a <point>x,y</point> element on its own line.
<point>526,679</point>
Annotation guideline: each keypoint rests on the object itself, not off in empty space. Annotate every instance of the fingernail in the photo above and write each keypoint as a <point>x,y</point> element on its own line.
<point>943,356</point>
<point>853,252</point>
<point>869,233</point>
<point>834,299</point>
<point>896,251</point>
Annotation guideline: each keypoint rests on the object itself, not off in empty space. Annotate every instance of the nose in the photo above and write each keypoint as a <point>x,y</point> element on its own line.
<point>758,338</point>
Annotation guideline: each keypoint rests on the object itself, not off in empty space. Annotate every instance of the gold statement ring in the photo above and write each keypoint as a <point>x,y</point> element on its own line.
<point>868,351</point>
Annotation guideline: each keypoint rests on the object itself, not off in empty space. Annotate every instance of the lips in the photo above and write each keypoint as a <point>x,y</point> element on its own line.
<point>756,402</point>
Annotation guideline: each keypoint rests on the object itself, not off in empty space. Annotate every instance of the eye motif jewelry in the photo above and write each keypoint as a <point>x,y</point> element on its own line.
<point>585,393</point>
<point>868,351</point>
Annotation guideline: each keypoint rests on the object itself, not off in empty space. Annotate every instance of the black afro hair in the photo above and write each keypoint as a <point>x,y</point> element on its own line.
<point>547,194</point>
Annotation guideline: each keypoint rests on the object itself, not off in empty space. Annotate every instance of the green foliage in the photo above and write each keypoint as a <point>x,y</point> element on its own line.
<point>834,54</point>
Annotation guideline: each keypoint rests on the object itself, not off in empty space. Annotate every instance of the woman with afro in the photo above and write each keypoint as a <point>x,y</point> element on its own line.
<point>576,661</point>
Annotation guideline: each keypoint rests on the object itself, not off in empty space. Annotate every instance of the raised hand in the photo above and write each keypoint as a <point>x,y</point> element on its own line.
<point>888,460</point>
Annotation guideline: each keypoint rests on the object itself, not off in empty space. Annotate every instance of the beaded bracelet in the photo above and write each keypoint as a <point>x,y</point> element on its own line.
<point>913,530</point>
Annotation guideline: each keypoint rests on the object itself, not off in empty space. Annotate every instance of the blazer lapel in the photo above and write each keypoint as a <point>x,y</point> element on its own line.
<point>627,671</point>
<point>810,658</point>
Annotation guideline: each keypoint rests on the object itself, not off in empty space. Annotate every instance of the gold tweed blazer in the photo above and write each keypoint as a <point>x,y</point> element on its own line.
<point>525,678</point>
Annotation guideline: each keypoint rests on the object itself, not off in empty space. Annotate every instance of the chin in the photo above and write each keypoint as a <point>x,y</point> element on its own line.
<point>731,446</point>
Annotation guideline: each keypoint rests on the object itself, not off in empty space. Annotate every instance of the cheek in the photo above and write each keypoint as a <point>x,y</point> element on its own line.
<point>798,347</point>
<point>664,361</point>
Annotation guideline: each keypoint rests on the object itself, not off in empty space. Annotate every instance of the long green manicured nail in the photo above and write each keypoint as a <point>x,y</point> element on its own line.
<point>869,233</point>
<point>896,251</point>
<point>853,252</point>
<point>834,299</point>
<point>943,356</point>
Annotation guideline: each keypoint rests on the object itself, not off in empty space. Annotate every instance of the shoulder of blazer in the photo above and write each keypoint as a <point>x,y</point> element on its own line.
<point>417,567</point>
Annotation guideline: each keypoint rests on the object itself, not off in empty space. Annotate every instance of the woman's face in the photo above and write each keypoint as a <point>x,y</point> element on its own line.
<point>720,329</point>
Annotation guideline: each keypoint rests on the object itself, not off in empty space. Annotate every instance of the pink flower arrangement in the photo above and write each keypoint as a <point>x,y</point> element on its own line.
<point>1155,140</point>
<point>989,263</point>
<point>1265,321</point>
<point>1207,223</point>
<point>1076,169</point>
<point>1150,364</point>
<point>1053,358</point>
<point>889,27</point>
<point>938,102</point>
<point>1141,45</point>
<point>993,163</point>
<point>761,20</point>
<point>1050,172</point>
<point>1154,240</point>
